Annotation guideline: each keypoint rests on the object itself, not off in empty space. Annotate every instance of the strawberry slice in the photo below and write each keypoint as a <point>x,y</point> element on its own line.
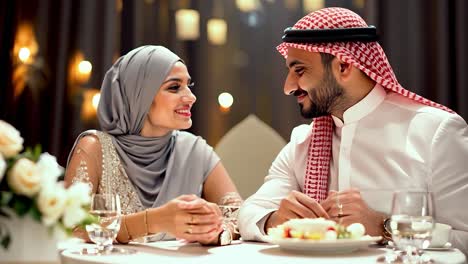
<point>287,232</point>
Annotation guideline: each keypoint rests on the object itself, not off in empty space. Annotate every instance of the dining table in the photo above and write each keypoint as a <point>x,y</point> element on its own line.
<point>240,252</point>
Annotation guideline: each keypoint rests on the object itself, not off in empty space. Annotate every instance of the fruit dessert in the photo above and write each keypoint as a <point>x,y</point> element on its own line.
<point>316,229</point>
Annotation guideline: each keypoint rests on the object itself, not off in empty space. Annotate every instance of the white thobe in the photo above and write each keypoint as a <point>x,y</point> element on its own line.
<point>386,142</point>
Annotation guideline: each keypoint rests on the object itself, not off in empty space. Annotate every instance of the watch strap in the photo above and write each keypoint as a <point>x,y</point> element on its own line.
<point>225,237</point>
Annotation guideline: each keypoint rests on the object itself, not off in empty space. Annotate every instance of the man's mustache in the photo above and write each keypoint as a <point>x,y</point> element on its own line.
<point>299,92</point>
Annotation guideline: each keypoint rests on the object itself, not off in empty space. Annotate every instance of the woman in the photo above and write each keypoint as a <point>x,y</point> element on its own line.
<point>159,172</point>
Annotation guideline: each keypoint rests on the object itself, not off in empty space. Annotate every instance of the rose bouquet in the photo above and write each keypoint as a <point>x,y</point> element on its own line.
<point>29,188</point>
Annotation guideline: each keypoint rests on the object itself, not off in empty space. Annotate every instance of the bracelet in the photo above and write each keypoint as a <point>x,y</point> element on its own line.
<point>146,222</point>
<point>124,226</point>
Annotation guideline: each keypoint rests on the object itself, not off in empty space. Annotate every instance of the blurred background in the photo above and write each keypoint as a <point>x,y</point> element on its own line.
<point>54,54</point>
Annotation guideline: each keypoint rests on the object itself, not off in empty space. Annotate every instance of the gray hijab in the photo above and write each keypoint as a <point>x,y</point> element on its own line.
<point>160,168</point>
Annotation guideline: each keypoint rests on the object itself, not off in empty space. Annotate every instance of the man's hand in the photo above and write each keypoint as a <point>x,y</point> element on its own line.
<point>353,210</point>
<point>296,205</point>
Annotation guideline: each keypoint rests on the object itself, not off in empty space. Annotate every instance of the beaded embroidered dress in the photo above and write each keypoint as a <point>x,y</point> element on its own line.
<point>113,179</point>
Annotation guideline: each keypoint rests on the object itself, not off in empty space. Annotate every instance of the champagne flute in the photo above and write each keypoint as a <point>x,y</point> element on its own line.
<point>412,222</point>
<point>106,207</point>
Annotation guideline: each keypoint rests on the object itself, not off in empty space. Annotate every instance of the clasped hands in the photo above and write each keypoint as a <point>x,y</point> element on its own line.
<point>193,219</point>
<point>345,207</point>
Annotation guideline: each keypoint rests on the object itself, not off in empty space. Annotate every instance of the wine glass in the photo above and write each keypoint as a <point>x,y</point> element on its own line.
<point>412,222</point>
<point>106,208</point>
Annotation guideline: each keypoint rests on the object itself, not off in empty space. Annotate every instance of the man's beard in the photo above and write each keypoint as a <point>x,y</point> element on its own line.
<point>324,98</point>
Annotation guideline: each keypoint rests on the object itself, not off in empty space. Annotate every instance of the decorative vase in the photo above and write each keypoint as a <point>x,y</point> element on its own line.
<point>30,242</point>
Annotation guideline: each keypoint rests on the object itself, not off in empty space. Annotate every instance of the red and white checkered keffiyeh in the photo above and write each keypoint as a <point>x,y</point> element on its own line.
<point>370,58</point>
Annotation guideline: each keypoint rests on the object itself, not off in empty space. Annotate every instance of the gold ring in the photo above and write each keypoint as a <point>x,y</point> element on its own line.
<point>340,210</point>
<point>189,230</point>
<point>192,219</point>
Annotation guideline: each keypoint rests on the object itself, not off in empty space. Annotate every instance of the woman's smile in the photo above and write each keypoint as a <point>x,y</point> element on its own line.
<point>184,112</point>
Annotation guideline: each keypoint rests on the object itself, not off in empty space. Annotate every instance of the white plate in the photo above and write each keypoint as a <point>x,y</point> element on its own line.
<point>323,246</point>
<point>447,246</point>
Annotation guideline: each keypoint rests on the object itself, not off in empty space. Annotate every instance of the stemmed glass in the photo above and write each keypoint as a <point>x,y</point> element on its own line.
<point>412,222</point>
<point>106,207</point>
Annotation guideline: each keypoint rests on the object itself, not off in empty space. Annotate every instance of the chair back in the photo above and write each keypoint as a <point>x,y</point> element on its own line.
<point>247,151</point>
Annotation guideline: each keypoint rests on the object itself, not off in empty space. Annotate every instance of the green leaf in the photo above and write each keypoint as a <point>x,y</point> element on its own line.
<point>90,219</point>
<point>4,214</point>
<point>35,213</point>
<point>21,205</point>
<point>27,154</point>
<point>28,150</point>
<point>37,152</point>
<point>68,231</point>
<point>5,240</point>
<point>5,198</point>
<point>11,161</point>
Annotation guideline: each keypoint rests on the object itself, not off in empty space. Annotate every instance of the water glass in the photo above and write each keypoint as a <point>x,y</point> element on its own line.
<point>106,208</point>
<point>412,222</point>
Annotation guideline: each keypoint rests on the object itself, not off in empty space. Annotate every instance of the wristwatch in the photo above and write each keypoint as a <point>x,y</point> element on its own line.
<point>225,237</point>
<point>387,231</point>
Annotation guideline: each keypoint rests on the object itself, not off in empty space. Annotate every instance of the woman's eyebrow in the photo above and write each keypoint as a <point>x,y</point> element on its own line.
<point>173,79</point>
<point>177,79</point>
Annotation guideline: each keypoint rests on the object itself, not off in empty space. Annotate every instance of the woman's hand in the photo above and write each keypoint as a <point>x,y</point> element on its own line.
<point>191,218</point>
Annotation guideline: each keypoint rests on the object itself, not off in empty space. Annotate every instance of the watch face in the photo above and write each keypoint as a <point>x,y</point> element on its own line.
<point>387,225</point>
<point>225,238</point>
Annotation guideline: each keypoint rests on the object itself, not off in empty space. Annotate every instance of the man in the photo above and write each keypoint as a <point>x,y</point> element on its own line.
<point>368,135</point>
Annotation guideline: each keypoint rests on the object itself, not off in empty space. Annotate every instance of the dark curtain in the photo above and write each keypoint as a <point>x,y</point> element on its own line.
<point>426,42</point>
<point>7,36</point>
<point>47,111</point>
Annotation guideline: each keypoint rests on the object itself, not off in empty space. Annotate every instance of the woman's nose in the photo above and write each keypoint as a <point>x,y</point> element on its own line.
<point>188,96</point>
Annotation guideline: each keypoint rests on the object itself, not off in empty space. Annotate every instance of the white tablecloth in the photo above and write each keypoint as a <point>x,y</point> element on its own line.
<point>240,253</point>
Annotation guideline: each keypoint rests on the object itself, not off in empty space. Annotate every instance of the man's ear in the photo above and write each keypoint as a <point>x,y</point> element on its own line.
<point>342,70</point>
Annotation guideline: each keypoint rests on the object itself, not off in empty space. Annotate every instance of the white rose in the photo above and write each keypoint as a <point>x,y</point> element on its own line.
<point>48,169</point>
<point>24,178</point>
<point>51,203</point>
<point>73,216</point>
<point>3,167</point>
<point>78,194</point>
<point>58,233</point>
<point>11,143</point>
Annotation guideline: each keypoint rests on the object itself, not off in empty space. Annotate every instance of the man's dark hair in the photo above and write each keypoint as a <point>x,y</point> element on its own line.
<point>326,59</point>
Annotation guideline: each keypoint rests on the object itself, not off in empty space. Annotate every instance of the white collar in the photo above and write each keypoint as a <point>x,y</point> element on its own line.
<point>362,108</point>
<point>356,112</point>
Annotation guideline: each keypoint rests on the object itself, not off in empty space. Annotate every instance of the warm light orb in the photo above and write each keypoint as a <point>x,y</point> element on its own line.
<point>225,100</point>
<point>90,103</point>
<point>24,54</point>
<point>247,5</point>
<point>187,24</point>
<point>95,100</point>
<point>85,67</point>
<point>312,5</point>
<point>359,3</point>
<point>217,31</point>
